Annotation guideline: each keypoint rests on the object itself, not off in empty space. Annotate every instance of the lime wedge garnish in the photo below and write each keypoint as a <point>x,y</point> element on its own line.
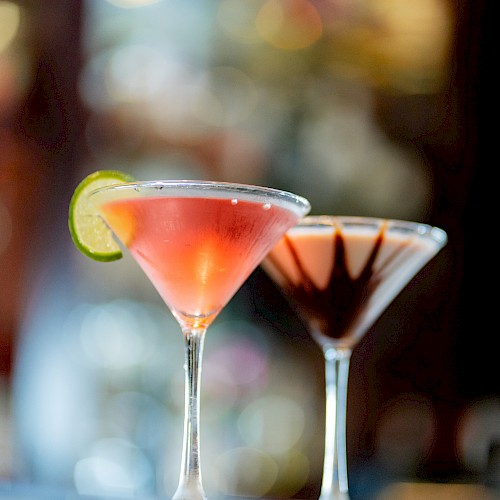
<point>89,232</point>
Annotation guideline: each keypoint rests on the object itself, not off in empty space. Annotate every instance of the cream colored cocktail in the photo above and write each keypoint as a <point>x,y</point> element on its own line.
<point>341,273</point>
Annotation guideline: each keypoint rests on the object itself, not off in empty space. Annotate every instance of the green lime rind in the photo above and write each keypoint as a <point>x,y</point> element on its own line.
<point>89,232</point>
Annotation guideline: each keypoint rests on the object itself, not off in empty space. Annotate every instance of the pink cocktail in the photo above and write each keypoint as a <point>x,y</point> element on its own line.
<point>197,251</point>
<point>197,241</point>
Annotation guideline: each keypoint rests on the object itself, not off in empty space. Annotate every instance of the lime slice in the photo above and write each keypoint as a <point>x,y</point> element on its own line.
<point>89,232</point>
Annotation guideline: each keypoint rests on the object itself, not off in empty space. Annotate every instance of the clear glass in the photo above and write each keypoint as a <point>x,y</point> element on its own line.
<point>341,273</point>
<point>197,241</point>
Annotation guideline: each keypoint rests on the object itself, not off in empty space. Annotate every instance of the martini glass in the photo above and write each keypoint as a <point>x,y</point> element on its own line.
<point>197,241</point>
<point>341,273</point>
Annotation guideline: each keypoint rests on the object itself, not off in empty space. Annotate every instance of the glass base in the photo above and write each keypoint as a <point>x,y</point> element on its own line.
<point>190,491</point>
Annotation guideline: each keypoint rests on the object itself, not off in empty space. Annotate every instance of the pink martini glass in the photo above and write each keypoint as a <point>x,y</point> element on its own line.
<point>197,242</point>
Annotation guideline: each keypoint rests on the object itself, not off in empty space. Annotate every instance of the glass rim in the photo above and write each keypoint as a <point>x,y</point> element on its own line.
<point>224,189</point>
<point>421,229</point>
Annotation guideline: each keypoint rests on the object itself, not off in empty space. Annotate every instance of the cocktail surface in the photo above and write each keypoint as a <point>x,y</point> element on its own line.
<point>341,278</point>
<point>196,251</point>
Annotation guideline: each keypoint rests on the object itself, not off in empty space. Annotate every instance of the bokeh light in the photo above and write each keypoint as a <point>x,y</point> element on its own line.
<point>124,343</point>
<point>410,43</point>
<point>113,467</point>
<point>227,97</point>
<point>237,369</point>
<point>10,20</point>
<point>136,73</point>
<point>272,423</point>
<point>237,20</point>
<point>289,24</point>
<point>131,4</point>
<point>479,433</point>
<point>246,471</point>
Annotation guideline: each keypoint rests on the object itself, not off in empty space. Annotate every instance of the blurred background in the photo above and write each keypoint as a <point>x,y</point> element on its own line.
<point>366,107</point>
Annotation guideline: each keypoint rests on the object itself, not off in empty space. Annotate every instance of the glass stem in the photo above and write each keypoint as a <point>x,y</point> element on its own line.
<point>190,486</point>
<point>334,485</point>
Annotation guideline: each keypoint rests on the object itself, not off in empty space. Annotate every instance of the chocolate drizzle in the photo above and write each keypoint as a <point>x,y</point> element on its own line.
<point>334,308</point>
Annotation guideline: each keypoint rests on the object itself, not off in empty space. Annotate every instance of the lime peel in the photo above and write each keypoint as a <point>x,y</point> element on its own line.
<point>89,232</point>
